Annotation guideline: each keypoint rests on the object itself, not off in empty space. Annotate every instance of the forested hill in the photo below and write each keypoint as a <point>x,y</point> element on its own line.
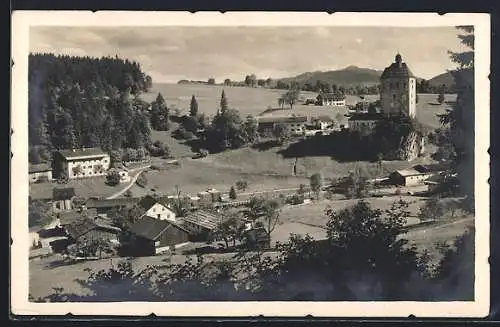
<point>85,102</point>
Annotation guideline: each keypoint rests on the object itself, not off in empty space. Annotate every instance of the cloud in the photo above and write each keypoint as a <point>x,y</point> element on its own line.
<point>232,52</point>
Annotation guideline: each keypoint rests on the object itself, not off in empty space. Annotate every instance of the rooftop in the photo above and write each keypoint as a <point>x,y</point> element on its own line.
<point>324,118</point>
<point>84,152</point>
<point>147,202</point>
<point>39,168</point>
<point>282,119</point>
<point>397,69</point>
<point>430,168</point>
<point>203,218</point>
<point>82,226</point>
<point>333,96</point>
<point>65,193</point>
<point>66,218</point>
<point>110,203</point>
<point>408,172</point>
<point>151,228</point>
<point>366,116</point>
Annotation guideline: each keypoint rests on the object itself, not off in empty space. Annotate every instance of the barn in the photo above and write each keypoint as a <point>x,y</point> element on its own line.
<point>92,230</point>
<point>151,236</point>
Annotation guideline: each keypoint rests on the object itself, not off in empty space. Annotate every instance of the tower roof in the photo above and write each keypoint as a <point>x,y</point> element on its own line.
<point>397,69</point>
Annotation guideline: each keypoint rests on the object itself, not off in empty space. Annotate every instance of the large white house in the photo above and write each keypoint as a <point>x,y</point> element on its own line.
<point>80,163</point>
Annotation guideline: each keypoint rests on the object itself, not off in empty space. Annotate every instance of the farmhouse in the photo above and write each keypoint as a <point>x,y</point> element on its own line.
<point>294,123</point>
<point>363,123</point>
<point>409,177</point>
<point>150,236</point>
<point>201,222</point>
<point>153,208</point>
<point>80,163</point>
<point>398,89</point>
<point>92,230</point>
<point>323,122</point>
<point>40,172</point>
<point>336,99</point>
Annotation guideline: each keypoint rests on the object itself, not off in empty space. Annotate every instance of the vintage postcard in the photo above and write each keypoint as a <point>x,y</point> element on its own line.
<point>244,164</point>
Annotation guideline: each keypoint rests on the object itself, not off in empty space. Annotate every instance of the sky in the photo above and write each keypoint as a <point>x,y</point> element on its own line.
<point>169,54</point>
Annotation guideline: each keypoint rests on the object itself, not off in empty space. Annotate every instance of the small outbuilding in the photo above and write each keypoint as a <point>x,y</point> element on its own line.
<point>408,177</point>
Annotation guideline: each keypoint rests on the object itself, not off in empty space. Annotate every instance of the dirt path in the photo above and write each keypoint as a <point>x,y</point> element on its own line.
<point>130,184</point>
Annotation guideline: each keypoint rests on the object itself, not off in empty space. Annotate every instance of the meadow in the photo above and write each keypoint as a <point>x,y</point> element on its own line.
<point>254,101</point>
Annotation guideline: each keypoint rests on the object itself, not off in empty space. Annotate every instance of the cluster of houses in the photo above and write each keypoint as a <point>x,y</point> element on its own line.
<point>298,125</point>
<point>157,226</point>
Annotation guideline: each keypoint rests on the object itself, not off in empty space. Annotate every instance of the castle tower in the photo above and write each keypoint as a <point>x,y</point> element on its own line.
<point>398,89</point>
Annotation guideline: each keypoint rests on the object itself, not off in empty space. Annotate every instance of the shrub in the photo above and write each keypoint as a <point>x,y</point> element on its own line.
<point>142,180</point>
<point>113,178</point>
<point>232,193</point>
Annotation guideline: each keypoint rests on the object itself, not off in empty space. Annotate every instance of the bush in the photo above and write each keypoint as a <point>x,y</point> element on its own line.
<point>295,199</point>
<point>232,193</point>
<point>241,185</point>
<point>142,180</point>
<point>113,178</point>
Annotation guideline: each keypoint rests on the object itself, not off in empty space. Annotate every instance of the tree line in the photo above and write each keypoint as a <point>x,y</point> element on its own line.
<point>79,102</point>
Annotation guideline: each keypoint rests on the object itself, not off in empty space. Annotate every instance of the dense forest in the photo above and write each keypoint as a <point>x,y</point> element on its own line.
<point>85,102</point>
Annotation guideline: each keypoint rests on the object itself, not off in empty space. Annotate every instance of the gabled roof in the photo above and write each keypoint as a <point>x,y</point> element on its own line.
<point>64,193</point>
<point>282,119</point>
<point>39,168</point>
<point>151,228</point>
<point>84,152</point>
<point>332,96</point>
<point>430,168</point>
<point>147,202</point>
<point>203,219</point>
<point>82,226</point>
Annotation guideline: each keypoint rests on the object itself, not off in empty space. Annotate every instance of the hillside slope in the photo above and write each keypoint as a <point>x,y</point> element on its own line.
<point>351,75</point>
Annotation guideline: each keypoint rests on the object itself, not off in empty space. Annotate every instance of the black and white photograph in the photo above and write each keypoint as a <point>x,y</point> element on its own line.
<point>256,162</point>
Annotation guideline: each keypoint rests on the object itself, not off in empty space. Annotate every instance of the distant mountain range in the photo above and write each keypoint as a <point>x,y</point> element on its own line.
<point>353,75</point>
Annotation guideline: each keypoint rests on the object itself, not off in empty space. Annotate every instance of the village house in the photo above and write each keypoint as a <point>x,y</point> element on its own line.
<point>336,99</point>
<point>67,218</point>
<point>323,122</point>
<point>90,230</point>
<point>151,236</point>
<point>153,208</point>
<point>40,173</point>
<point>295,124</point>
<point>409,177</point>
<point>80,163</point>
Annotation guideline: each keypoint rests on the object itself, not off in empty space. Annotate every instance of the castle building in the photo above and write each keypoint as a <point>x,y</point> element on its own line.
<point>398,89</point>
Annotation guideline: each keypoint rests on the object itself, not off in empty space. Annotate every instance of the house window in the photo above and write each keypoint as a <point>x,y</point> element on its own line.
<point>154,209</point>
<point>159,216</point>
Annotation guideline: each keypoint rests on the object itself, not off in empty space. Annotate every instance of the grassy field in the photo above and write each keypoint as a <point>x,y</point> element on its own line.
<point>253,101</point>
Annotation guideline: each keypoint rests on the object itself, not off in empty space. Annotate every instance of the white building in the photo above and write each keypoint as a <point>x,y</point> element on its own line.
<point>398,92</point>
<point>152,208</point>
<point>40,172</point>
<point>331,99</point>
<point>81,163</point>
<point>294,123</point>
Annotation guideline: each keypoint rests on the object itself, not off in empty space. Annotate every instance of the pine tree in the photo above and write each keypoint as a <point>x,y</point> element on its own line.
<point>223,102</point>
<point>193,109</point>
<point>460,119</point>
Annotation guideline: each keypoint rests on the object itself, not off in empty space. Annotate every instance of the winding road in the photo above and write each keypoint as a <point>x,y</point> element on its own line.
<point>130,184</point>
